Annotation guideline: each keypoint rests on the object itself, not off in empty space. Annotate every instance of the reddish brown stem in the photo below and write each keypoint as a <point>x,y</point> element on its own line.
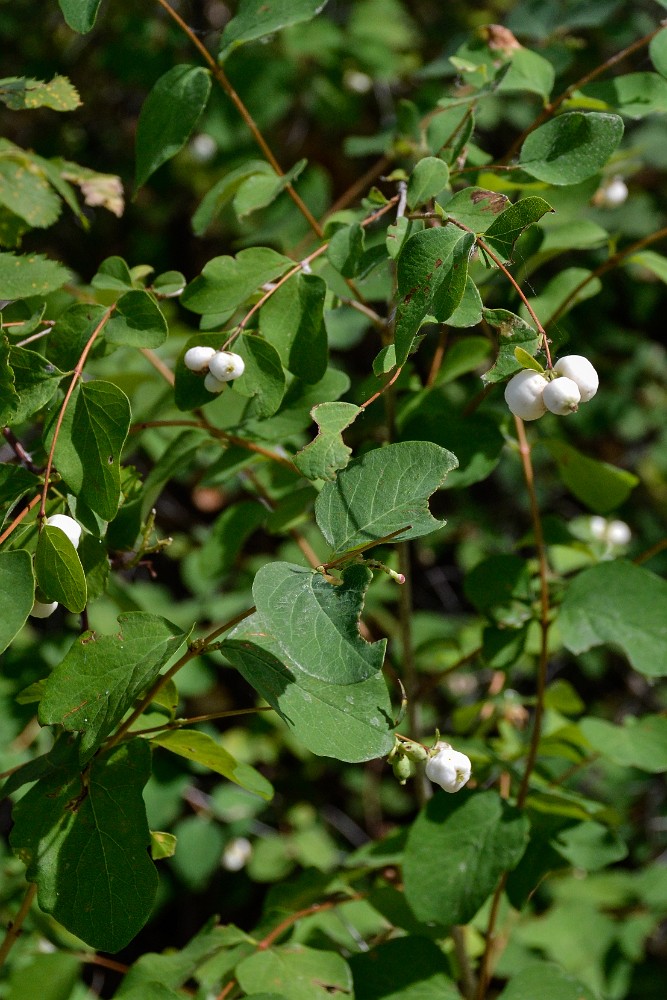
<point>17,520</point>
<point>14,929</point>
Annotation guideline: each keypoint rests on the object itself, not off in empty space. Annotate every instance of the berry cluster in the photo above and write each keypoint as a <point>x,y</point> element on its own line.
<point>72,529</point>
<point>571,381</point>
<point>220,366</point>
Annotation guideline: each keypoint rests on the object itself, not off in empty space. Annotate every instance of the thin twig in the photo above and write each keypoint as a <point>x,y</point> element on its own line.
<point>14,929</point>
<point>17,520</point>
<point>158,364</point>
<point>196,719</point>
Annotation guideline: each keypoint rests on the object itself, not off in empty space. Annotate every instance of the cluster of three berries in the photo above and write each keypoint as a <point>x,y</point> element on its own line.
<point>220,366</point>
<point>573,380</point>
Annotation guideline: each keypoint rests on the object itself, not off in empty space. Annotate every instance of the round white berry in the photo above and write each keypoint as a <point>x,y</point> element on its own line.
<point>40,610</point>
<point>213,384</point>
<point>226,366</point>
<point>614,193</point>
<point>598,527</point>
<point>618,533</point>
<point>562,396</point>
<point>523,394</point>
<point>197,358</point>
<point>236,854</point>
<point>67,524</point>
<point>448,767</point>
<point>581,371</point>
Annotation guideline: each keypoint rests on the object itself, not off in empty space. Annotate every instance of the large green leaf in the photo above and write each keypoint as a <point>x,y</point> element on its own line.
<point>59,571</point>
<point>17,586</point>
<point>546,981</point>
<point>137,321</point>
<point>328,453</point>
<point>206,751</point>
<point>29,275</point>
<point>263,378</point>
<point>226,282</point>
<point>316,623</point>
<point>599,485</point>
<point>633,94</point>
<point>101,676</point>
<point>506,228</point>
<point>84,840</point>
<point>293,321</point>
<point>88,449</point>
<point>384,491</point>
<point>621,605</point>
<point>457,849</point>
<point>572,147</point>
<point>80,14</point>
<point>431,276</point>
<point>168,116</point>
<point>351,722</point>
<point>258,18</point>
<point>407,968</point>
<point>300,973</point>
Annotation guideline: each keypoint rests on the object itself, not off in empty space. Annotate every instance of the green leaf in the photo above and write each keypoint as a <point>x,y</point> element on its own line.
<point>262,188</point>
<point>292,320</point>
<point>35,380</point>
<point>384,491</point>
<point>257,18</point>
<point>136,321</point>
<point>316,623</point>
<point>506,228</point>
<point>29,275</point>
<point>457,849</point>
<point>17,585</point>
<point>469,310</point>
<point>638,743</point>
<point>328,453</point>
<point>526,360</point>
<point>72,332</point>
<point>263,378</point>
<point>168,116</point>
<point>591,614</point>
<point>59,94</point>
<point>476,207</point>
<point>406,968</point>
<point>300,973</point>
<point>53,976</point>
<point>633,94</point>
<point>546,981</point>
<point>656,263</point>
<point>102,675</point>
<point>229,533</point>
<point>58,569</point>
<point>80,14</point>
<point>431,277</point>
<point>530,72</point>
<point>572,147</point>
<point>26,192</point>
<point>223,191</point>
<point>590,846</point>
<point>113,275</point>
<point>346,248</point>
<point>9,398</point>
<point>429,177</point>
<point>206,751</point>
<point>91,438</point>
<point>563,293</point>
<point>599,485</point>
<point>658,52</point>
<point>226,282</point>
<point>15,482</point>
<point>169,284</point>
<point>513,332</point>
<point>350,722</point>
<point>84,841</point>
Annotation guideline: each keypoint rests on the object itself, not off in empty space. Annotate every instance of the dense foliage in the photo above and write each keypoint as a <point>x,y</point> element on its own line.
<point>244,608</point>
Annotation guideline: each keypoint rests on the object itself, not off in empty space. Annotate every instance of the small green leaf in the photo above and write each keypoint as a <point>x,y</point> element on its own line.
<point>458,847</point>
<point>25,190</point>
<point>526,360</point>
<point>206,751</point>
<point>654,262</point>
<point>113,274</point>
<point>72,332</point>
<point>137,321</point>
<point>469,310</point>
<point>59,572</point>
<point>84,841</point>
<point>346,248</point>
<point>163,845</point>
<point>546,981</point>
<point>168,116</point>
<point>476,207</point>
<point>513,332</point>
<point>316,623</point>
<point>599,485</point>
<point>506,228</point>
<point>262,188</point>
<point>102,675</point>
<point>633,94</point>
<point>257,18</point>
<point>564,291</point>
<point>223,191</point>
<point>263,378</point>
<point>572,147</point>
<point>658,52</point>
<point>429,177</point>
<point>226,282</point>
<point>589,614</point>
<point>298,972</point>
<point>638,743</point>
<point>169,284</point>
<point>80,14</point>
<point>350,722</point>
<point>590,846</point>
<point>292,320</point>
<point>529,72</point>
<point>384,491</point>
<point>328,453</point>
<point>406,968</point>
<point>35,380</point>
<point>29,275</point>
<point>17,585</point>
<point>59,94</point>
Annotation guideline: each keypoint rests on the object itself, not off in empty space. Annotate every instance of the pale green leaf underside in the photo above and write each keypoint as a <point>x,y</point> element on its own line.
<point>17,587</point>
<point>203,749</point>
<point>258,18</point>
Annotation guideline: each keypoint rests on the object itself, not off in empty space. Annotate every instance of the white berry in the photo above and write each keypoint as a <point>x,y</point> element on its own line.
<point>67,524</point>
<point>598,527</point>
<point>614,193</point>
<point>197,358</point>
<point>562,396</point>
<point>523,394</point>
<point>581,371</point>
<point>226,366</point>
<point>213,384</point>
<point>40,610</point>
<point>448,767</point>
<point>618,533</point>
